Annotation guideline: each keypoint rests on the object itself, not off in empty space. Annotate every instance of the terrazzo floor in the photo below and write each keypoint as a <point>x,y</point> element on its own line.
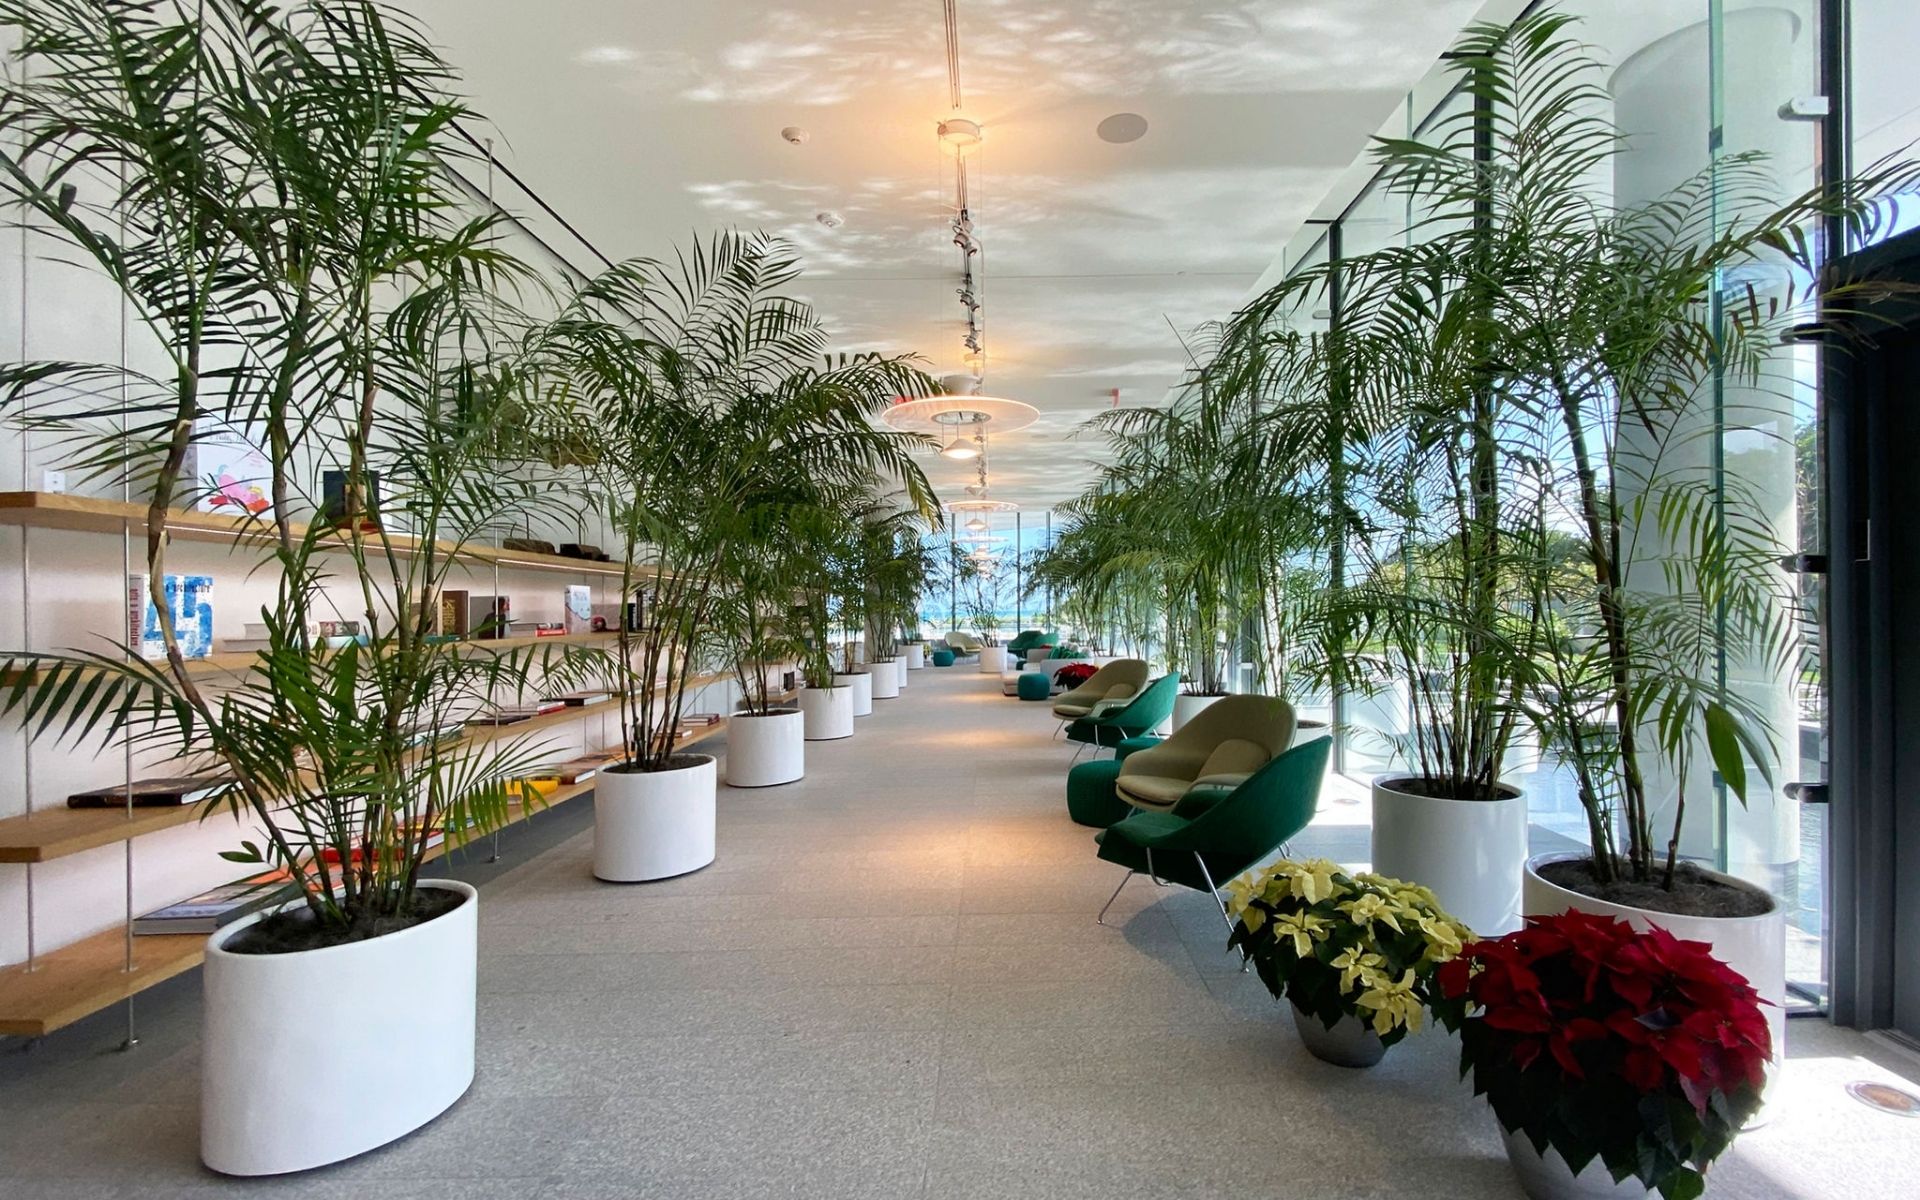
<point>889,984</point>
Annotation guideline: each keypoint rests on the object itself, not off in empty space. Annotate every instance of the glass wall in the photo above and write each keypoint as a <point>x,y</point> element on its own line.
<point>1701,89</point>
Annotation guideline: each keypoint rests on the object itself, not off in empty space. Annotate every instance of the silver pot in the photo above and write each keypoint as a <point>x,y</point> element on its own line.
<point>1350,1043</point>
<point>1547,1177</point>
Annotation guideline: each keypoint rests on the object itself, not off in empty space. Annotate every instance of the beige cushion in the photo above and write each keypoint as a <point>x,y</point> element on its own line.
<point>1151,791</point>
<point>1072,710</point>
<point>1222,781</point>
<point>1121,691</point>
<point>1235,756</point>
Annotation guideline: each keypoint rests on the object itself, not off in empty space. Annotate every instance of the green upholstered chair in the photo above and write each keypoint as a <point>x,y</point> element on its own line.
<point>1133,745</point>
<point>1035,685</point>
<point>1109,724</point>
<point>1120,678</point>
<point>943,656</point>
<point>1219,837</point>
<point>1021,643</point>
<point>1223,743</point>
<point>1090,798</point>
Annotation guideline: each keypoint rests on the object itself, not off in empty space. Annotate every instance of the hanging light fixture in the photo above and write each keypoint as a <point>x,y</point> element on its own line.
<point>976,525</point>
<point>962,448</point>
<point>961,135</point>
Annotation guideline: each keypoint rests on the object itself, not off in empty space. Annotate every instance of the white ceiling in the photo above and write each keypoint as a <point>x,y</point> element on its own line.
<point>646,122</point>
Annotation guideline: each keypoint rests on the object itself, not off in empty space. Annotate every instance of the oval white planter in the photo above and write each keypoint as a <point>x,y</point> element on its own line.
<point>1756,947</point>
<point>1185,706</point>
<point>654,824</point>
<point>886,679</point>
<point>1307,729</point>
<point>916,653</point>
<point>763,751</point>
<point>1547,1176</point>
<point>900,669</point>
<point>316,1056</point>
<point>993,660</point>
<point>826,713</point>
<point>1471,853</point>
<point>860,683</point>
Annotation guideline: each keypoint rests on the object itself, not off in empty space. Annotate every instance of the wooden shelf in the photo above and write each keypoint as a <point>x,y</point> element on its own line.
<point>89,514</point>
<point>79,980</point>
<point>57,832</point>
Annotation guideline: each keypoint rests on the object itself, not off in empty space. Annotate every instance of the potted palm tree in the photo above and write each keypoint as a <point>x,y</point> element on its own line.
<point>285,214</point>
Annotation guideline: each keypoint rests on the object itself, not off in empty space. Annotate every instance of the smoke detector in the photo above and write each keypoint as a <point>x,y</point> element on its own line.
<point>832,220</point>
<point>795,135</point>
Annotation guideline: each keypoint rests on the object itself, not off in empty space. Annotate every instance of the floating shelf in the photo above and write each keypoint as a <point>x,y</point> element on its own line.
<point>88,514</point>
<point>79,980</point>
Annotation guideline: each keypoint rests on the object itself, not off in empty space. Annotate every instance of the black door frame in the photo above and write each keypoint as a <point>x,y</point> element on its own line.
<point>1860,459</point>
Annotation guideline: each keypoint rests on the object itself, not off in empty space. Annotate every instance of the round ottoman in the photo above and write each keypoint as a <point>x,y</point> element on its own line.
<point>1090,797</point>
<point>1129,745</point>
<point>943,658</point>
<point>1036,685</point>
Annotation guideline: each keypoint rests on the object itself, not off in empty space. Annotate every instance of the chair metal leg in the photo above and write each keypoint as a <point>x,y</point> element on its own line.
<point>1208,876</point>
<point>1102,918</point>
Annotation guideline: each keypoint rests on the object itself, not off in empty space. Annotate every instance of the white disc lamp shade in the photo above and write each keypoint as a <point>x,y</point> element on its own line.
<point>961,447</point>
<point>961,135</point>
<point>924,415</point>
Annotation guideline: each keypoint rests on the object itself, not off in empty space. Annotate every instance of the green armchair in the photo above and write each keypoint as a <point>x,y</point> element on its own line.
<point>1209,838</point>
<point>1108,725</point>
<point>1222,744</point>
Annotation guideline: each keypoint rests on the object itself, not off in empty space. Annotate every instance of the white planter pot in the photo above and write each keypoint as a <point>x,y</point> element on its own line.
<point>316,1056</point>
<point>916,655</point>
<point>886,678</point>
<point>993,660</point>
<point>1307,730</point>
<point>1185,706</point>
<point>900,669</point>
<point>654,824</point>
<point>763,751</point>
<point>860,683</point>
<point>827,713</point>
<point>1469,852</point>
<point>1547,1177</point>
<point>1756,947</point>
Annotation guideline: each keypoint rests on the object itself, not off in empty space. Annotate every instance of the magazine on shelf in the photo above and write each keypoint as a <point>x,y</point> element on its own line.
<point>581,769</point>
<point>579,608</point>
<point>218,907</point>
<point>167,791</point>
<point>189,601</point>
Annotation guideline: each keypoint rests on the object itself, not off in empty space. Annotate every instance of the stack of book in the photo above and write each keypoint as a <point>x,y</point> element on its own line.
<point>513,714</point>
<point>580,769</point>
<point>212,910</point>
<point>582,699</point>
<point>170,791</point>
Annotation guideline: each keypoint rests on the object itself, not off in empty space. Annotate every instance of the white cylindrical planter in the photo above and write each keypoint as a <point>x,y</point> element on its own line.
<point>860,683</point>
<point>1185,706</point>
<point>387,1022</point>
<point>900,669</point>
<point>993,660</point>
<point>916,655</point>
<point>1756,947</point>
<point>654,824</point>
<point>1308,729</point>
<point>827,713</point>
<point>1470,853</point>
<point>886,678</point>
<point>765,750</point>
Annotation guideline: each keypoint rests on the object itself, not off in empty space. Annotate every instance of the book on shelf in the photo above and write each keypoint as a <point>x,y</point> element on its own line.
<point>190,604</point>
<point>498,718</point>
<point>217,907</point>
<point>700,719</point>
<point>168,791</point>
<point>435,836</point>
<point>581,769</point>
<point>541,786</point>
<point>583,699</point>
<point>455,611</point>
<point>232,473</point>
<point>551,629</point>
<point>578,599</point>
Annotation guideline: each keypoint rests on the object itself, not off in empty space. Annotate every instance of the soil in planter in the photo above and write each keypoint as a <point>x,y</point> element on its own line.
<point>297,929</point>
<point>678,762</point>
<point>1442,789</point>
<point>1695,893</point>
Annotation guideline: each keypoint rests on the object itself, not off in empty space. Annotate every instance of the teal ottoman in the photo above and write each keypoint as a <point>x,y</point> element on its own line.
<point>1090,796</point>
<point>1129,745</point>
<point>943,658</point>
<point>1036,686</point>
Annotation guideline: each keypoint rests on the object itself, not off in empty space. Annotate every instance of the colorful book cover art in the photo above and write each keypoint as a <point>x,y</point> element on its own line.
<point>230,471</point>
<point>189,601</point>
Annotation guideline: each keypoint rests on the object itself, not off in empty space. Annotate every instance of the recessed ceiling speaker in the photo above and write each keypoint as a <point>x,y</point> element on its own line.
<point>1121,128</point>
<point>832,220</point>
<point>796,135</point>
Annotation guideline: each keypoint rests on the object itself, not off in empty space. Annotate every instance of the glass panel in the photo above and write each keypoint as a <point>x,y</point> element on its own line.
<point>1885,105</point>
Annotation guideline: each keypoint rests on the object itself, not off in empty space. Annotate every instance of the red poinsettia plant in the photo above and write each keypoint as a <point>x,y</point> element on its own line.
<point>1601,1040</point>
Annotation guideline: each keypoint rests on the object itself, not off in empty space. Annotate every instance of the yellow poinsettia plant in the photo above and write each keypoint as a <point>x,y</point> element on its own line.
<point>1340,945</point>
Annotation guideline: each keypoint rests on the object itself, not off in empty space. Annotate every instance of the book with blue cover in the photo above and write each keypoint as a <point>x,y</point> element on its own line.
<point>190,602</point>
